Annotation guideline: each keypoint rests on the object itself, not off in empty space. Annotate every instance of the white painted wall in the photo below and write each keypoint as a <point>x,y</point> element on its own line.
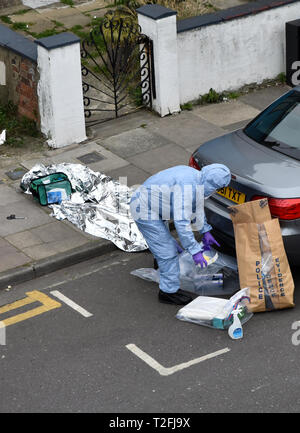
<point>164,34</point>
<point>60,95</point>
<point>229,55</point>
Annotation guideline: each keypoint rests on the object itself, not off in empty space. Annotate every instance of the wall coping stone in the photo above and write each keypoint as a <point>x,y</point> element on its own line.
<point>234,12</point>
<point>18,43</point>
<point>156,12</point>
<point>295,23</point>
<point>58,41</point>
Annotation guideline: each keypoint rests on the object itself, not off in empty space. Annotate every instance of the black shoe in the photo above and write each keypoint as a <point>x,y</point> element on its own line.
<point>178,298</point>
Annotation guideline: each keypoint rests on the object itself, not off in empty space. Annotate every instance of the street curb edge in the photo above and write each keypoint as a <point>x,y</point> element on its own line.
<point>54,263</point>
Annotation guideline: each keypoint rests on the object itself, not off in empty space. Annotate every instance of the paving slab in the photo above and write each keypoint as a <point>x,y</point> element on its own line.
<point>134,120</point>
<point>129,175</point>
<point>46,240</point>
<point>133,142</point>
<point>92,5</point>
<point>11,257</point>
<point>25,207</point>
<point>161,158</point>
<point>3,177</point>
<point>50,152</point>
<point>67,244</point>
<point>226,113</point>
<point>24,239</point>
<point>186,129</point>
<point>42,251</point>
<point>49,249</point>
<point>109,161</point>
<point>59,13</point>
<point>99,13</point>
<point>41,26</point>
<point>237,125</point>
<point>9,195</point>
<point>54,231</point>
<point>12,9</point>
<point>225,4</point>
<point>7,162</point>
<point>260,99</point>
<point>31,16</point>
<point>73,20</point>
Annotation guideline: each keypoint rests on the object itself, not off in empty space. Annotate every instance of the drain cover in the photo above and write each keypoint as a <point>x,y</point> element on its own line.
<point>89,158</point>
<point>16,174</point>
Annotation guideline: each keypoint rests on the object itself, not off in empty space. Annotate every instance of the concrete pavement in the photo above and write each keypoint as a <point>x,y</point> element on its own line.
<point>42,16</point>
<point>133,147</point>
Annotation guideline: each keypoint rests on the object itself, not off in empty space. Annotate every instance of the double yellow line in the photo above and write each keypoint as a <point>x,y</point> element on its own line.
<point>34,296</point>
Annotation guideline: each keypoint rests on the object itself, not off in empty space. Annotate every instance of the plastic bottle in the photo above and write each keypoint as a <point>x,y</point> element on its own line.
<point>235,330</point>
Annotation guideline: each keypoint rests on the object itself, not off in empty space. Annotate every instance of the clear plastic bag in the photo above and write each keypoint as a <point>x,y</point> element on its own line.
<point>217,279</point>
<point>216,312</point>
<point>148,274</point>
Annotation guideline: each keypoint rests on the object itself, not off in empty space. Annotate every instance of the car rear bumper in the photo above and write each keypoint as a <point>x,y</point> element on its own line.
<point>219,218</point>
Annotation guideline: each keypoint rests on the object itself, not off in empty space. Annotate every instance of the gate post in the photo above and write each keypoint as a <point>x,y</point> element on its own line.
<point>159,24</point>
<point>60,89</point>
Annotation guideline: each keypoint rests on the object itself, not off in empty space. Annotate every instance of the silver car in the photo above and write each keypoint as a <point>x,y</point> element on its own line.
<point>264,159</point>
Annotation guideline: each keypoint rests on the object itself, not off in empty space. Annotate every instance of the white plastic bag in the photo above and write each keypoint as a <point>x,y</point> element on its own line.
<point>216,312</point>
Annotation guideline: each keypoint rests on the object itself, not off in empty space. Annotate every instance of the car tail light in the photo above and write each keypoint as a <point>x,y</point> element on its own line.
<point>193,163</point>
<point>283,208</point>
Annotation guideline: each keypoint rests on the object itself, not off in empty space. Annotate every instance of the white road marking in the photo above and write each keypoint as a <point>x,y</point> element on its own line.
<point>163,371</point>
<point>71,304</point>
<point>87,274</point>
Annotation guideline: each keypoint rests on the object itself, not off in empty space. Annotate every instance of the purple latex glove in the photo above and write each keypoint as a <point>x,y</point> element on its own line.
<point>208,240</point>
<point>199,259</point>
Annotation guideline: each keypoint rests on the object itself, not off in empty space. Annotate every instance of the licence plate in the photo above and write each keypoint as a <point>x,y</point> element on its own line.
<point>232,194</point>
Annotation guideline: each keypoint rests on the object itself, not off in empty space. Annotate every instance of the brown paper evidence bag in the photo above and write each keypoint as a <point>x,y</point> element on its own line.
<point>261,257</point>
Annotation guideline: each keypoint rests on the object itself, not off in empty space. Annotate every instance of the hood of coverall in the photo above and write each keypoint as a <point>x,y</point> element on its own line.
<point>214,176</point>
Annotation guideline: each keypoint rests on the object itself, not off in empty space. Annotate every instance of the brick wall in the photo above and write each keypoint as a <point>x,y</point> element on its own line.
<point>9,3</point>
<point>24,74</point>
<point>21,83</point>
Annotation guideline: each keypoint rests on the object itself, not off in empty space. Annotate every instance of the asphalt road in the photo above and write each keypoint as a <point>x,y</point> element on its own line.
<point>63,361</point>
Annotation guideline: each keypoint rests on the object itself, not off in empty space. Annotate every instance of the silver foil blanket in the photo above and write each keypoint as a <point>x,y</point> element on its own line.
<point>99,206</point>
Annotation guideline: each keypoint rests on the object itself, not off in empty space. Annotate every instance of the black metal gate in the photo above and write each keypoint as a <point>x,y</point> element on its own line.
<point>117,70</point>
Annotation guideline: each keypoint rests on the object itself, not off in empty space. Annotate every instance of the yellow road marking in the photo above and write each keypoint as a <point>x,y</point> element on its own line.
<point>16,305</point>
<point>34,296</point>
